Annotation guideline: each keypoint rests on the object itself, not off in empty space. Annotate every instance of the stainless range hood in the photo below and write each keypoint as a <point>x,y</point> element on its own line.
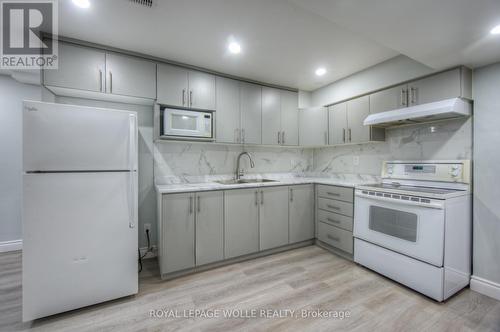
<point>439,110</point>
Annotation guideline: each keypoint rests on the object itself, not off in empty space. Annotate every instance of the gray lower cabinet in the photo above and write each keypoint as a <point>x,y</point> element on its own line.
<point>209,227</point>
<point>241,222</point>
<point>177,232</point>
<point>80,68</point>
<point>301,213</point>
<point>130,76</point>
<point>273,217</point>
<point>334,217</point>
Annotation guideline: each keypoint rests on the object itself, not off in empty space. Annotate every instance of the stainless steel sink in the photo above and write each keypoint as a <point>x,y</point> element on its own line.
<point>234,181</point>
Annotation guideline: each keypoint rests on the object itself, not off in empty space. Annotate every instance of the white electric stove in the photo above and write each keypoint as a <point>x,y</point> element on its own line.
<point>415,226</point>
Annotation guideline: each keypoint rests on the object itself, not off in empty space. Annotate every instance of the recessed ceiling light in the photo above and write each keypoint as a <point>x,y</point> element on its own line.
<point>320,71</point>
<point>495,30</point>
<point>82,3</point>
<point>234,47</point>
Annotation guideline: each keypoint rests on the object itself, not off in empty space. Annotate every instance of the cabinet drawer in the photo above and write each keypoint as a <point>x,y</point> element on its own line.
<point>333,192</point>
<point>335,206</point>
<point>335,219</point>
<point>335,237</point>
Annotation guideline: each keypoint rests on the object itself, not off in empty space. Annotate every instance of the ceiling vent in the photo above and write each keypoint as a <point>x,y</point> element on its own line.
<point>146,3</point>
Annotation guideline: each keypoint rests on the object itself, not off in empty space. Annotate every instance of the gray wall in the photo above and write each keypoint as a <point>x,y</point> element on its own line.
<point>486,252</point>
<point>12,94</point>
<point>390,72</point>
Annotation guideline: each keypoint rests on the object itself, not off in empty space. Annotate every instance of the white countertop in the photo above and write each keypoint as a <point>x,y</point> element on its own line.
<point>207,186</point>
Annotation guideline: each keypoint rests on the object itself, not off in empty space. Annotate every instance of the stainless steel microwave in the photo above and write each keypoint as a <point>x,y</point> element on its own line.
<point>187,124</point>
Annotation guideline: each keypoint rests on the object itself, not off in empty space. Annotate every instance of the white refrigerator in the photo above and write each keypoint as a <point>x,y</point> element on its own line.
<point>79,207</point>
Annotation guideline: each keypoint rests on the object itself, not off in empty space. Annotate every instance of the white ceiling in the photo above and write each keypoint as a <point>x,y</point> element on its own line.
<point>284,41</point>
<point>437,33</point>
<point>281,43</point>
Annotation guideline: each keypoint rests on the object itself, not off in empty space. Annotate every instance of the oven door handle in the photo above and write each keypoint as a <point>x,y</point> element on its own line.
<point>439,206</point>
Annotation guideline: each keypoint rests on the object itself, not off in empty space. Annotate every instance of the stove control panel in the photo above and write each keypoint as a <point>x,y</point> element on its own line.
<point>442,171</point>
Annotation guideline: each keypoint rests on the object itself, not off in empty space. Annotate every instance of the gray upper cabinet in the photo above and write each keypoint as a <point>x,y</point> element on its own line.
<point>172,85</point>
<point>301,211</point>
<point>313,126</point>
<point>273,217</point>
<point>241,222</point>
<point>209,227</point>
<point>389,99</point>
<point>289,118</point>
<point>79,68</point>
<point>441,86</point>
<point>227,116</point>
<point>201,90</point>
<point>337,124</point>
<point>178,229</point>
<point>251,113</point>
<point>130,76</point>
<point>345,123</point>
<point>271,116</point>
<point>357,111</point>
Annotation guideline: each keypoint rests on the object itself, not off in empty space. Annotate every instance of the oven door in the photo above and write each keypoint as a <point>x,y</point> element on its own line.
<point>187,123</point>
<point>410,228</point>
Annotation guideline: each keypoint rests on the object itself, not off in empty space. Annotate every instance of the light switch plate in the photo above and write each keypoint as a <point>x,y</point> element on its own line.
<point>355,160</point>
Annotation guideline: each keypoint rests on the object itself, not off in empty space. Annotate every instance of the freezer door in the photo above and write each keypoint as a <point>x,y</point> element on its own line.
<point>59,137</point>
<point>78,244</point>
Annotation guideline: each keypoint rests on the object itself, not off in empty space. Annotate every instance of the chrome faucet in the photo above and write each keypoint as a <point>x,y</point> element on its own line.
<point>239,172</point>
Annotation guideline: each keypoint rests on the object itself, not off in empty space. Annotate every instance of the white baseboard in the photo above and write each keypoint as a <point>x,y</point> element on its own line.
<point>151,254</point>
<point>11,245</point>
<point>486,287</point>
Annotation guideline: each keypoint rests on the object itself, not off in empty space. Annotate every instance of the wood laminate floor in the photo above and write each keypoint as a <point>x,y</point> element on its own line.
<point>306,280</point>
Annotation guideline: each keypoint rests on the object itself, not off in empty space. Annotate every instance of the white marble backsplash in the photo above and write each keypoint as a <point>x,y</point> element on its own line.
<point>187,162</point>
<point>432,141</point>
<point>179,162</point>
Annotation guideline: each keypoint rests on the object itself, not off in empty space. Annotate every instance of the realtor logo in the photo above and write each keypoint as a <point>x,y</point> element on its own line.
<point>23,23</point>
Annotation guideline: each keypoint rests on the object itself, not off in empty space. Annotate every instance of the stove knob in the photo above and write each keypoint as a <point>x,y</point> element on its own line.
<point>455,171</point>
<point>390,170</point>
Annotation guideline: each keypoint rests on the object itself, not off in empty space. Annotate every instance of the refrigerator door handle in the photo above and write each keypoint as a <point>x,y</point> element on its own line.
<point>132,153</point>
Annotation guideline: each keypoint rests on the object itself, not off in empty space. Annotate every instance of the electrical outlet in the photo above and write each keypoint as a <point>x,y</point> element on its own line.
<point>147,227</point>
<point>355,160</point>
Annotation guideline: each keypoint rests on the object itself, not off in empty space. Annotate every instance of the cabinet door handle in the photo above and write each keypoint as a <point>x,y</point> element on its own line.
<point>326,137</point>
<point>279,139</point>
<point>100,80</point>
<point>110,82</point>
<point>183,97</point>
<point>404,97</point>
<point>283,137</point>
<point>242,135</point>
<point>291,195</point>
<point>332,207</point>
<point>333,194</point>
<point>343,135</point>
<point>333,238</point>
<point>333,220</point>
<point>198,204</point>
<point>413,95</point>
<point>261,197</point>
<point>256,198</point>
<point>190,204</point>
<point>190,97</point>
<point>350,135</point>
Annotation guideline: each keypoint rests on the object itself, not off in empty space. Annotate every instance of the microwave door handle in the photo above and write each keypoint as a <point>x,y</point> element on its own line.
<point>132,158</point>
<point>401,202</point>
